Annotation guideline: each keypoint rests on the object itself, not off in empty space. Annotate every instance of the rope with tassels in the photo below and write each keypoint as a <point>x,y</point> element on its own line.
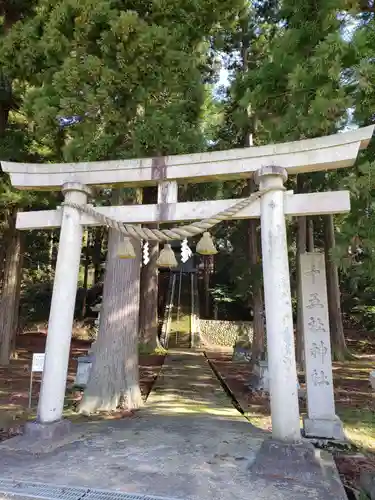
<point>205,246</point>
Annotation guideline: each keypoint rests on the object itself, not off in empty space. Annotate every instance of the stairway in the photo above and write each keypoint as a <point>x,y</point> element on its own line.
<point>179,328</point>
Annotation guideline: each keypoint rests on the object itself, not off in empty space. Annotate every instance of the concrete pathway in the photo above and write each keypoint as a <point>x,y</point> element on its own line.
<point>187,386</point>
<point>188,443</point>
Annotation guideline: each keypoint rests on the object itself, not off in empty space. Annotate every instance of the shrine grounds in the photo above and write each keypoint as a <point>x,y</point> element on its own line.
<point>355,402</point>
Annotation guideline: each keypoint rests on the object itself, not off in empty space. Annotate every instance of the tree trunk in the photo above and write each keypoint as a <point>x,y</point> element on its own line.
<point>16,324</point>
<point>148,310</point>
<point>254,244</point>
<point>9,300</point>
<point>114,377</point>
<point>85,272</point>
<point>96,254</point>
<point>206,284</point>
<point>301,248</point>
<point>148,317</point>
<point>10,13</point>
<point>257,348</point>
<point>258,306</point>
<point>339,349</point>
<point>5,103</point>
<point>4,114</point>
<point>50,253</point>
<point>310,235</point>
<point>2,258</point>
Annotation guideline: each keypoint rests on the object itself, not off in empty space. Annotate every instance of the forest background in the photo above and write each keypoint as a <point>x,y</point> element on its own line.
<point>107,79</point>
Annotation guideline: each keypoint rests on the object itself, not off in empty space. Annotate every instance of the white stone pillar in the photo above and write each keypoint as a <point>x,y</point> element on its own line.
<point>321,418</point>
<point>51,401</point>
<point>278,306</point>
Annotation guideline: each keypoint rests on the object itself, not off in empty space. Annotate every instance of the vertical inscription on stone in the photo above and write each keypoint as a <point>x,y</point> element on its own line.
<point>319,350</point>
<point>312,273</point>
<point>318,362</point>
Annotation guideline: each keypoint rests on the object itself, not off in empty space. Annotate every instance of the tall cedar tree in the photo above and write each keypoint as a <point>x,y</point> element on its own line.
<point>133,74</point>
<point>256,26</point>
<point>299,92</point>
<point>357,229</point>
<point>14,145</point>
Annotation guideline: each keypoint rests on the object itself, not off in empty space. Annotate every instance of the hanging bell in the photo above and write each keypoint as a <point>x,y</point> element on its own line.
<point>205,245</point>
<point>125,249</point>
<point>167,257</point>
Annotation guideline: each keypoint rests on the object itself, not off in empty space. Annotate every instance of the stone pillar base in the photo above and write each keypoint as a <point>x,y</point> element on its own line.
<point>288,460</point>
<point>299,465</point>
<point>324,428</point>
<point>47,431</point>
<point>41,438</point>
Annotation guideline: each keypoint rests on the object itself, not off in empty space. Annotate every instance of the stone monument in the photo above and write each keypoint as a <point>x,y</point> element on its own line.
<point>321,418</point>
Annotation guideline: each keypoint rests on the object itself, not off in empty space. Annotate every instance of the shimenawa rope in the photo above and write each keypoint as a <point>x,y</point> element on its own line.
<point>176,233</point>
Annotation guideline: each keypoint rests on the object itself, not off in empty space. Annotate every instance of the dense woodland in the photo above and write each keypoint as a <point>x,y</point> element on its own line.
<point>107,79</point>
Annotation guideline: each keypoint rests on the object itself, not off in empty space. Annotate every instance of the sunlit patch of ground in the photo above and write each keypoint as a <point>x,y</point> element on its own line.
<point>355,402</point>
<point>15,381</point>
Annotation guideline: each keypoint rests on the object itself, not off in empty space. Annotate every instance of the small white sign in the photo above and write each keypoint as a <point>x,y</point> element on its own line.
<point>38,362</point>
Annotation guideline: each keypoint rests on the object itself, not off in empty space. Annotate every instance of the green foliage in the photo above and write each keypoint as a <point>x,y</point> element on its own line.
<point>247,47</point>
<point>356,236</point>
<point>138,74</point>
<point>298,90</point>
<point>296,76</point>
<point>35,301</point>
<point>133,71</point>
<point>141,76</point>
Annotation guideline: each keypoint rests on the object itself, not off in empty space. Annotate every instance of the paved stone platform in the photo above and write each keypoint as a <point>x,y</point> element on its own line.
<point>188,443</point>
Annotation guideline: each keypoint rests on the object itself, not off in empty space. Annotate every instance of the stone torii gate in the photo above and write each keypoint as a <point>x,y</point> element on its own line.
<point>271,166</point>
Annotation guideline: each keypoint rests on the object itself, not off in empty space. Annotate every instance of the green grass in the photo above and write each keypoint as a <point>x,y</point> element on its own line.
<point>182,325</point>
<point>144,349</point>
<point>359,426</point>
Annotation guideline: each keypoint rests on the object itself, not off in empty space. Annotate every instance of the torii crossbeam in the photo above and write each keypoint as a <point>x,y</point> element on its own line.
<point>310,155</point>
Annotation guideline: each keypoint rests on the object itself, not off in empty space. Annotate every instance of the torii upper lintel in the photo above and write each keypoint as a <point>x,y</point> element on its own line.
<point>309,155</point>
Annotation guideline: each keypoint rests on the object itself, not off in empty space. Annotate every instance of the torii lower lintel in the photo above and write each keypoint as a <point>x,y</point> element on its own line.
<point>332,202</point>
